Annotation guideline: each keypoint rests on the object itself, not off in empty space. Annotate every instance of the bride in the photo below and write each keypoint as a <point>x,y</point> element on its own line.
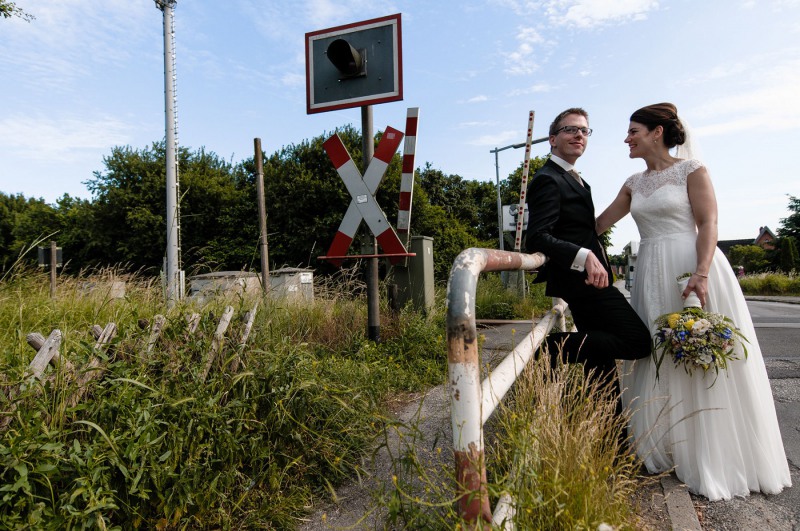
<point>722,440</point>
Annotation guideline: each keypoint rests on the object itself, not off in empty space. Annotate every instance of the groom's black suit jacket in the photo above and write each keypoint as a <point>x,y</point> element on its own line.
<point>561,220</point>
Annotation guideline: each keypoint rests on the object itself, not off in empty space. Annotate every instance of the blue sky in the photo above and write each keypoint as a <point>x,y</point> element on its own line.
<point>86,76</point>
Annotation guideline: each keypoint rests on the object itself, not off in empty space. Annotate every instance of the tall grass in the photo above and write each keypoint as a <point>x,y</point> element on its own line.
<point>561,452</point>
<point>771,284</point>
<point>555,444</point>
<point>495,301</point>
<point>153,446</point>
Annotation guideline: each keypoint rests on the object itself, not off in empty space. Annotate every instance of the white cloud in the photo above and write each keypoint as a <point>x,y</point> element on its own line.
<point>521,61</point>
<point>590,13</point>
<point>768,99</point>
<point>478,99</point>
<point>326,13</point>
<point>83,33</point>
<point>292,79</point>
<point>537,88</point>
<point>61,139</point>
<point>477,124</point>
<point>496,139</point>
<point>583,13</point>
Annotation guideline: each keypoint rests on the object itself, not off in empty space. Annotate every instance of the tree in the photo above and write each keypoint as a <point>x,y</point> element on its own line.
<point>454,195</point>
<point>790,226</point>
<point>129,210</point>
<point>752,257</point>
<point>9,9</point>
<point>450,236</point>
<point>24,222</point>
<point>9,205</point>
<point>124,223</point>
<point>788,254</point>
<point>306,199</point>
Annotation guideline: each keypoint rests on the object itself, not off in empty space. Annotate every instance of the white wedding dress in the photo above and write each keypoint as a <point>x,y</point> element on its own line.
<point>723,440</point>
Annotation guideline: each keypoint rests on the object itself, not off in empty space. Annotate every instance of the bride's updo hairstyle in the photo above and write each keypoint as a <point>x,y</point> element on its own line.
<point>665,115</point>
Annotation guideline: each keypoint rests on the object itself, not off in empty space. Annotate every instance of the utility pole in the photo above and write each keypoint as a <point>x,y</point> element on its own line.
<point>174,290</point>
<point>497,177</point>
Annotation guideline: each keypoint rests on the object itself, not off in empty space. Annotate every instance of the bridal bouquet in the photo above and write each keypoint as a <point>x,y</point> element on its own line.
<point>695,338</point>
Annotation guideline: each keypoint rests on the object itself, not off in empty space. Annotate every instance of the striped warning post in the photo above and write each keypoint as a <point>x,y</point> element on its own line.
<point>362,190</point>
<point>523,189</point>
<point>407,178</point>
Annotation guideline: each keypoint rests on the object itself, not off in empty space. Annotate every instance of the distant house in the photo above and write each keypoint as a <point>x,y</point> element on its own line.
<point>765,239</point>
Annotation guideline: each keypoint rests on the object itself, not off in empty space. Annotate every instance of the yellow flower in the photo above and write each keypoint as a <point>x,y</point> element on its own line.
<point>672,320</point>
<point>689,324</point>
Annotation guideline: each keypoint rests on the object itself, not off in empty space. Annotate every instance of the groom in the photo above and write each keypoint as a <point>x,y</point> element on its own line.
<point>561,225</point>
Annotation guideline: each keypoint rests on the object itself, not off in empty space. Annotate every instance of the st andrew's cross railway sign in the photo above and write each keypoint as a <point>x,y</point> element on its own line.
<point>363,204</point>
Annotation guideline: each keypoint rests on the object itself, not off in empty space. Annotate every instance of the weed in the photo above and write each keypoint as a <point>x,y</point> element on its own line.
<point>153,446</point>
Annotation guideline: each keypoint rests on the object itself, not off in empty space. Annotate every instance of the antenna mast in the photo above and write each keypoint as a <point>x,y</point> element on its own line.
<point>173,272</point>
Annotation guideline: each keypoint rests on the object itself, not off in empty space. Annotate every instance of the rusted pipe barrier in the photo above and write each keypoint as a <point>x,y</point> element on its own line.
<point>463,366</point>
<point>495,386</point>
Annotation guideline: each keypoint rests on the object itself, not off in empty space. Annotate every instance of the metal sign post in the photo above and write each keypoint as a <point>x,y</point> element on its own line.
<point>373,297</point>
<point>51,257</point>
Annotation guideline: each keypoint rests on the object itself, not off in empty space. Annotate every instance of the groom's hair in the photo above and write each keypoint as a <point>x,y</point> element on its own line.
<point>557,122</point>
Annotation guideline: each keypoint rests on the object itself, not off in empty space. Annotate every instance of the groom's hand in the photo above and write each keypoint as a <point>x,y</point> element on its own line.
<point>596,274</point>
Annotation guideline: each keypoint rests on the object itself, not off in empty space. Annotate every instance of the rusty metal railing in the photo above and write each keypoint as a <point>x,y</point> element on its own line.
<point>472,401</point>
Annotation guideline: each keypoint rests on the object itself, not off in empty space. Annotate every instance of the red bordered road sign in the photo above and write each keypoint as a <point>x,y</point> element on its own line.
<point>378,43</point>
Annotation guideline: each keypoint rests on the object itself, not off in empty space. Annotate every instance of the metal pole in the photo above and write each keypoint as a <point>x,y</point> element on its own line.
<point>173,293</point>
<point>53,266</point>
<point>497,176</point>
<point>464,373</point>
<point>499,203</point>
<point>373,302</point>
<point>262,217</point>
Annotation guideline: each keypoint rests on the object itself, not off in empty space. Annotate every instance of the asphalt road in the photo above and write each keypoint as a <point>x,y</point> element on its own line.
<point>778,331</point>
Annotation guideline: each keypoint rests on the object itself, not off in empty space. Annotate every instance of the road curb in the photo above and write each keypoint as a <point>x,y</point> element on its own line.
<point>773,298</point>
<point>679,505</point>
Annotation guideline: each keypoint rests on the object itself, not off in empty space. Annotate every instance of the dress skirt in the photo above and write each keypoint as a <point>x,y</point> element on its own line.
<point>719,432</point>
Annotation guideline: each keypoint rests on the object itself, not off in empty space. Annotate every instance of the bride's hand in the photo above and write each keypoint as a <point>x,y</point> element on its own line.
<point>699,285</point>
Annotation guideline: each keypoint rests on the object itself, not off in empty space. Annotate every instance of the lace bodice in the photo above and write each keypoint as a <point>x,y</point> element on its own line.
<point>660,201</point>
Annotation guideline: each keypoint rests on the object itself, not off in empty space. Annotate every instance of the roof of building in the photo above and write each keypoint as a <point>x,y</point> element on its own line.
<point>725,245</point>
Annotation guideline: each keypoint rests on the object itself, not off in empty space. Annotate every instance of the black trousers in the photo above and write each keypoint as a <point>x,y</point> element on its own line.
<point>608,330</point>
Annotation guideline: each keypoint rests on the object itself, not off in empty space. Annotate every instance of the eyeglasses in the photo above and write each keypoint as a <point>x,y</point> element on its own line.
<point>572,129</point>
